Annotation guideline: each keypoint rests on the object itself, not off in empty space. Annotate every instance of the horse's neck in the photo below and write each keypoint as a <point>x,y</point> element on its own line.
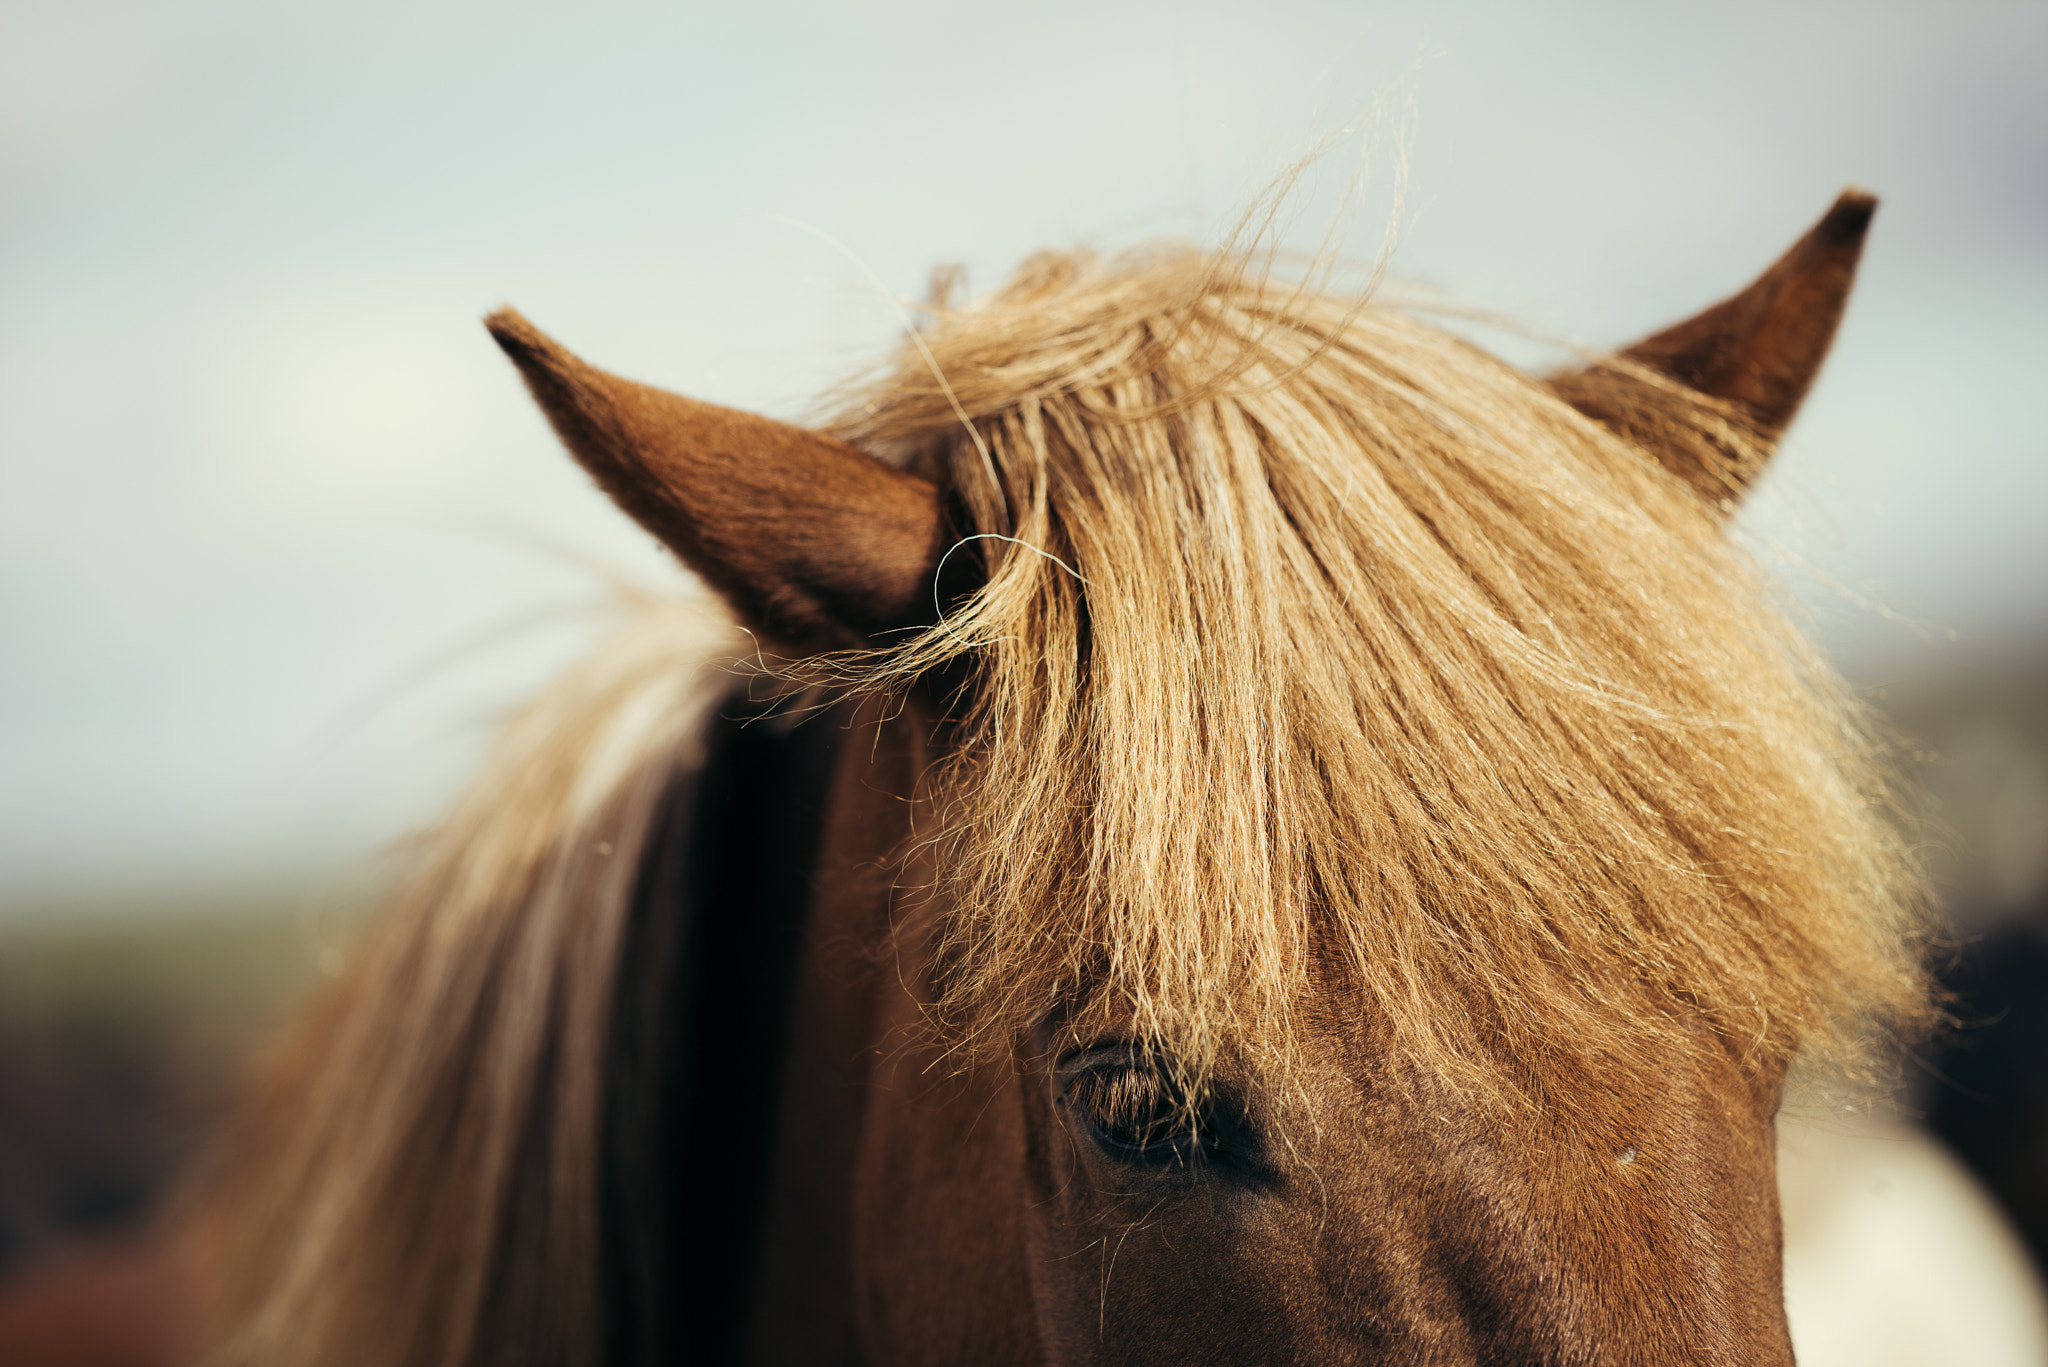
<point>804,1305</point>
<point>718,960</point>
<point>890,1231</point>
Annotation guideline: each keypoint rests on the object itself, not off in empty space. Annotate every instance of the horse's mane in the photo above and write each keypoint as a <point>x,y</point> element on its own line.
<point>1347,664</point>
<point>418,1176</point>
<point>1347,657</point>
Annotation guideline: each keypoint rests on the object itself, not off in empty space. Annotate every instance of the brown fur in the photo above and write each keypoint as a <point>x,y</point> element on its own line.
<point>1399,762</point>
<point>805,536</point>
<point>1757,351</point>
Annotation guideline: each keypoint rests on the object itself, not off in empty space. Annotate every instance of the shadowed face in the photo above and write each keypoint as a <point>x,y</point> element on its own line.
<point>1349,1215</point>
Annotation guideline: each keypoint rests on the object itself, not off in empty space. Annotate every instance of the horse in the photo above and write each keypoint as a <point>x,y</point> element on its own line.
<point>1215,821</point>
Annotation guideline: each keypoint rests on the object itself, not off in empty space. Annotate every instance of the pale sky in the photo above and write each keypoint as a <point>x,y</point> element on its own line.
<point>282,534</point>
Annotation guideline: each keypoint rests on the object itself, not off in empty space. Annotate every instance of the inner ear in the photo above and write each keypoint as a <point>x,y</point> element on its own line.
<point>1757,351</point>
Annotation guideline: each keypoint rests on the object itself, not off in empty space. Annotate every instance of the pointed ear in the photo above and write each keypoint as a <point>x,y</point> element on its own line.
<point>813,542</point>
<point>1758,350</point>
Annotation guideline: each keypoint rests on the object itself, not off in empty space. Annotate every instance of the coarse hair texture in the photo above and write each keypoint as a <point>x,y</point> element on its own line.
<point>1320,649</point>
<point>416,1176</point>
<point>1324,658</point>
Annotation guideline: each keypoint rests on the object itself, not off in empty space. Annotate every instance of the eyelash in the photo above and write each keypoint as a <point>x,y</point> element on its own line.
<point>1136,1113</point>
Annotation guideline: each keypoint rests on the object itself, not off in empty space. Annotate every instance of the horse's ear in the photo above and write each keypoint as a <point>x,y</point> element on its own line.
<point>812,541</point>
<point>1758,350</point>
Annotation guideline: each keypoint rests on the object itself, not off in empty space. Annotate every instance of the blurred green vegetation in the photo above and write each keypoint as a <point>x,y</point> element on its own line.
<point>123,1031</point>
<point>211,975</point>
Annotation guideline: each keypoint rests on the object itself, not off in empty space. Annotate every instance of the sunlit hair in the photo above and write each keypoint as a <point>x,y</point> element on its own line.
<point>417,1177</point>
<point>1326,660</point>
<point>1340,655</point>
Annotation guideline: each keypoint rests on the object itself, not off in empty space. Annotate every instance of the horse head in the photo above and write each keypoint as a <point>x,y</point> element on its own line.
<point>1365,859</point>
<point>1327,854</point>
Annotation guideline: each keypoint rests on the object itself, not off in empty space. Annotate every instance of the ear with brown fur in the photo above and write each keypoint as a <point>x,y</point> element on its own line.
<point>813,542</point>
<point>1758,351</point>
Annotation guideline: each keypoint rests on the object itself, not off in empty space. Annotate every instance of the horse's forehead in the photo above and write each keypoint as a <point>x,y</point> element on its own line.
<point>1333,1056</point>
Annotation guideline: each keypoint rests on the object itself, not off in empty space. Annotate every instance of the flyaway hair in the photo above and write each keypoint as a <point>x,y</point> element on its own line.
<point>1356,661</point>
<point>1341,668</point>
<point>419,1175</point>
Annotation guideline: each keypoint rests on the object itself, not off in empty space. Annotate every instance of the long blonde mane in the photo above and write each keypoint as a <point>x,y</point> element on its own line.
<point>417,1178</point>
<point>1344,654</point>
<point>1339,663</point>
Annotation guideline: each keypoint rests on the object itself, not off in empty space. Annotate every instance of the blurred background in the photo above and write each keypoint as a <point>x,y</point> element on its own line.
<point>282,535</point>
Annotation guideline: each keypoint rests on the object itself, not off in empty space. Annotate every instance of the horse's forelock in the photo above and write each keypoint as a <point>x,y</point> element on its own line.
<point>1344,638</point>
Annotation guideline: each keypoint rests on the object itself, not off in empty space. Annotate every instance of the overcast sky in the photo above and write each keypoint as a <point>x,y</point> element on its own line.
<point>281,533</point>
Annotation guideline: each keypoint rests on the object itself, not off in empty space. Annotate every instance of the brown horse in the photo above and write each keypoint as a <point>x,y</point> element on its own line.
<point>1301,844</point>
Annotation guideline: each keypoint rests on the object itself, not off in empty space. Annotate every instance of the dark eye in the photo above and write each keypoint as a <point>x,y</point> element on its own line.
<point>1133,1109</point>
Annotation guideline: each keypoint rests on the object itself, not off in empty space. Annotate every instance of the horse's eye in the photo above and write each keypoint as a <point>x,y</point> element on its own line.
<point>1134,1110</point>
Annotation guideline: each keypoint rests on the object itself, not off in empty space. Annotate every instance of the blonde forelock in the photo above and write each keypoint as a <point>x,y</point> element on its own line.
<point>1336,651</point>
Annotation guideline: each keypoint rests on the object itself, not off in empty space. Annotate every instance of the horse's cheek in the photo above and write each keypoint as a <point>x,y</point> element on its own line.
<point>1130,1268</point>
<point>938,1252</point>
